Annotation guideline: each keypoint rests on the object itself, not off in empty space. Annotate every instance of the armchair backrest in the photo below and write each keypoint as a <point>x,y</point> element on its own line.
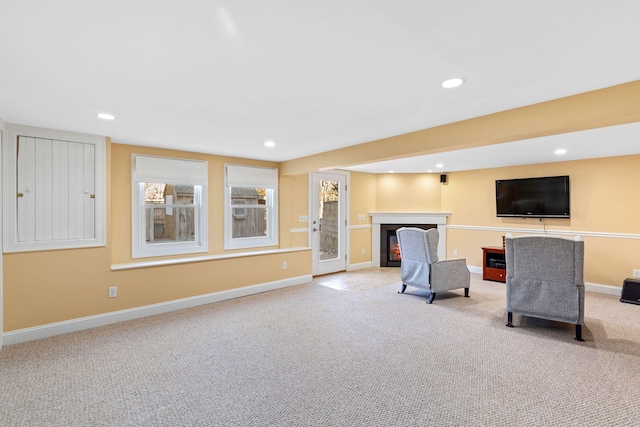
<point>545,278</point>
<point>418,245</point>
<point>421,267</point>
<point>545,258</point>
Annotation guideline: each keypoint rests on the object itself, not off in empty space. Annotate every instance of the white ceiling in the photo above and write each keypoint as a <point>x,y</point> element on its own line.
<point>613,141</point>
<point>222,77</point>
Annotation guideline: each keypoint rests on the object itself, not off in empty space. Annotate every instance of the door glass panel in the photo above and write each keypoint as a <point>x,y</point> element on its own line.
<point>329,214</point>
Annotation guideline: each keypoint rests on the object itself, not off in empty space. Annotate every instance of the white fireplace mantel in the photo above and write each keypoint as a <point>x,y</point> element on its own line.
<point>377,218</point>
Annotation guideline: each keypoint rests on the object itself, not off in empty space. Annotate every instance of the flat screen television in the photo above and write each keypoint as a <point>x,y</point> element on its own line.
<point>546,197</point>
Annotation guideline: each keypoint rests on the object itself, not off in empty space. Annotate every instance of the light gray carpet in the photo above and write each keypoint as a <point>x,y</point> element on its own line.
<point>314,356</point>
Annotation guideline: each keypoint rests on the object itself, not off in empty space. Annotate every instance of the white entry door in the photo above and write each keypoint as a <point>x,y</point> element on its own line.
<point>328,222</point>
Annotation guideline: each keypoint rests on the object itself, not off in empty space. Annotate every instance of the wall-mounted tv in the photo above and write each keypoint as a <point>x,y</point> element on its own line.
<point>546,197</point>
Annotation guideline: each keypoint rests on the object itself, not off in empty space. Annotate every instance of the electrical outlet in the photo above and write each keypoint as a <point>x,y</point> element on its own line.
<point>360,217</point>
<point>113,292</point>
<point>455,252</point>
<point>363,251</point>
<point>284,265</point>
<point>303,218</point>
<point>636,274</point>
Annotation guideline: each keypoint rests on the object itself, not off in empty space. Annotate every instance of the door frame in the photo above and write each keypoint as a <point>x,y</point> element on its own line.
<point>347,222</point>
<point>3,133</point>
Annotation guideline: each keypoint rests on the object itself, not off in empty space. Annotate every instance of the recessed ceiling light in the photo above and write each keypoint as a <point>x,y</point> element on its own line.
<point>560,151</point>
<point>452,82</point>
<point>390,171</point>
<point>439,165</point>
<point>269,144</point>
<point>106,116</point>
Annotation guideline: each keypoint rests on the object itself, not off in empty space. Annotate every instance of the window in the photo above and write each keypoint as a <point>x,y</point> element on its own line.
<point>169,206</point>
<point>238,212</point>
<point>251,213</point>
<point>54,190</point>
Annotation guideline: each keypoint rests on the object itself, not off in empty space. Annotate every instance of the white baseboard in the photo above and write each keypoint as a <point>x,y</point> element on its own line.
<point>476,270</point>
<point>58,328</point>
<point>359,266</point>
<point>603,289</point>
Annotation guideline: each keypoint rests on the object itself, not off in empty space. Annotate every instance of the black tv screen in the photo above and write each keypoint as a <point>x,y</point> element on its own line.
<point>546,197</point>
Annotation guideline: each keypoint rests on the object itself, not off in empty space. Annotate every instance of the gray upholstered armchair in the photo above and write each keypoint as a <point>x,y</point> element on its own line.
<point>545,279</point>
<point>421,268</point>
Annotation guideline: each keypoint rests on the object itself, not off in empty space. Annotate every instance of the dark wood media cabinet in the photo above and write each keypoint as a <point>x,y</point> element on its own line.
<point>494,265</point>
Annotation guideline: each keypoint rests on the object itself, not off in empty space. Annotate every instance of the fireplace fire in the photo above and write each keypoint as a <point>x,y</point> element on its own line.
<point>381,221</point>
<point>394,249</point>
<point>390,255</point>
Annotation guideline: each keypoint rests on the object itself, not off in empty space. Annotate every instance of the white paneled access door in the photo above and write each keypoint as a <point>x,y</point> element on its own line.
<point>328,222</point>
<point>55,190</point>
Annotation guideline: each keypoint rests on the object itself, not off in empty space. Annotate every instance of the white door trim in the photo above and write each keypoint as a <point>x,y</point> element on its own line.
<point>344,223</point>
<point>3,132</point>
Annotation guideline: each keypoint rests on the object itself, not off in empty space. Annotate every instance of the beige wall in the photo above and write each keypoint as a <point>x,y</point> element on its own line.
<point>298,205</point>
<point>603,195</point>
<point>52,286</point>
<point>121,183</point>
<point>605,198</point>
<point>362,200</point>
<point>408,193</point>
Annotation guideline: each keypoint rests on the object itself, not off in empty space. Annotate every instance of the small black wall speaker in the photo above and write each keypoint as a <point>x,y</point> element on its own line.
<point>631,291</point>
<point>443,178</point>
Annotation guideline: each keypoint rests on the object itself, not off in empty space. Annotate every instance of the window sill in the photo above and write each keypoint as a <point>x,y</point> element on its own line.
<point>173,261</point>
<point>168,250</point>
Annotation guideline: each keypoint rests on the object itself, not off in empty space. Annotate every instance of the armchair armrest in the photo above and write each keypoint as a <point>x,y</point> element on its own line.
<point>450,274</point>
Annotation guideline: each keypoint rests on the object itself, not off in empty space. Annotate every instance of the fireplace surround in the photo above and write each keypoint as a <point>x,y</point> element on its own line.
<point>381,222</point>
<point>389,249</point>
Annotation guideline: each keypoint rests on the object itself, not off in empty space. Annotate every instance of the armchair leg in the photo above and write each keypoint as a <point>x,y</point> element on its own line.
<point>403,289</point>
<point>579,333</point>
<point>510,319</point>
<point>466,292</point>
<point>432,296</point>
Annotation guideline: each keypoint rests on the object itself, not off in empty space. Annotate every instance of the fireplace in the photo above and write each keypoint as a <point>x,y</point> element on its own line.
<point>382,244</point>
<point>389,249</point>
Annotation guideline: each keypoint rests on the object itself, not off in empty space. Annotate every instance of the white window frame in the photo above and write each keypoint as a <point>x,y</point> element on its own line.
<point>251,177</point>
<point>10,203</point>
<point>168,170</point>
